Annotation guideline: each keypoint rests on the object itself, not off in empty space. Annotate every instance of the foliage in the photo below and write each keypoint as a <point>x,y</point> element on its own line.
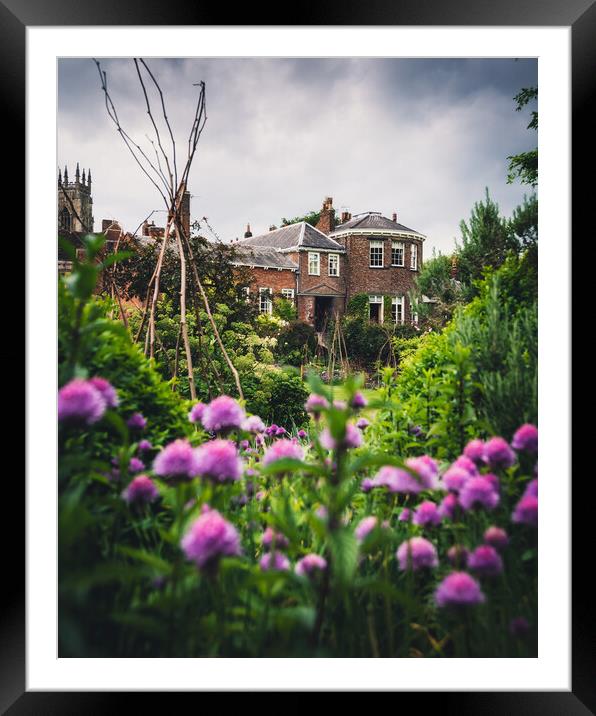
<point>312,218</point>
<point>358,306</point>
<point>296,343</point>
<point>525,165</point>
<point>367,343</point>
<point>284,308</point>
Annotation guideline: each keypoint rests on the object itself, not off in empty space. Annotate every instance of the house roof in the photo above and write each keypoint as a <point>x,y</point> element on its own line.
<point>293,237</point>
<point>373,220</point>
<point>262,256</point>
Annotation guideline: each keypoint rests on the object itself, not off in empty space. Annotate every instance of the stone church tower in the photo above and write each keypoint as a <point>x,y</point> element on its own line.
<point>79,193</point>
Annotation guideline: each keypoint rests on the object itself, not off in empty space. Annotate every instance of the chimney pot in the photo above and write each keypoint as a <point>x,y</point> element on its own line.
<point>394,216</point>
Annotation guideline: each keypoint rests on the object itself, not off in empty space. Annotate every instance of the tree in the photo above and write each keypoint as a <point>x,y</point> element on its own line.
<point>486,241</point>
<point>525,164</point>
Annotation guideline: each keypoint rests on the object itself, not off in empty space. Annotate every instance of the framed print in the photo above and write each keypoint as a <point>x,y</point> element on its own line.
<point>304,336</point>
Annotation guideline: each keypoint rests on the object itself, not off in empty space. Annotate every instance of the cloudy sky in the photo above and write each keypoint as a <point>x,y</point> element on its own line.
<point>421,137</point>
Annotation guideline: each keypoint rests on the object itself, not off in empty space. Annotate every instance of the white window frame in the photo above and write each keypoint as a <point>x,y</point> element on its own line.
<point>414,257</point>
<point>288,294</point>
<point>376,244</point>
<point>246,291</point>
<point>314,256</point>
<point>377,299</point>
<point>398,301</point>
<point>335,257</point>
<point>269,301</point>
<point>396,245</point>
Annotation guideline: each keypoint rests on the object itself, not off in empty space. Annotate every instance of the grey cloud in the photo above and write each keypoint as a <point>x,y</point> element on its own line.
<point>422,137</point>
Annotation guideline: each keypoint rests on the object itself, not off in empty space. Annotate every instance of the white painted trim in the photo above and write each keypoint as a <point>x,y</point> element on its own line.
<point>334,275</point>
<point>318,255</point>
<point>379,232</point>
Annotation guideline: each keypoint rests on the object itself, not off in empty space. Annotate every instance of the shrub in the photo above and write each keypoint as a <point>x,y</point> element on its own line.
<point>296,343</point>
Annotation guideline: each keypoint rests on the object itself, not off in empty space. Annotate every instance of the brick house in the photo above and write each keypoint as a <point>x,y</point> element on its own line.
<point>321,268</point>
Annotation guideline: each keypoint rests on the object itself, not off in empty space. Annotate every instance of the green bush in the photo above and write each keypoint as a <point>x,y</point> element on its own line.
<point>296,343</point>
<point>278,396</point>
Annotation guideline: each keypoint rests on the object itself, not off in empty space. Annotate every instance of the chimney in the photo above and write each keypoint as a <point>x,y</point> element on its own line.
<point>145,229</point>
<point>185,213</point>
<point>345,216</point>
<point>394,216</point>
<point>247,233</point>
<point>326,222</point>
<point>105,225</point>
<point>272,227</point>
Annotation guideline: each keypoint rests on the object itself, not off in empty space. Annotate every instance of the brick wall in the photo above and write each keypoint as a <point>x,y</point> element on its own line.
<point>273,279</point>
<point>306,282</point>
<point>386,280</point>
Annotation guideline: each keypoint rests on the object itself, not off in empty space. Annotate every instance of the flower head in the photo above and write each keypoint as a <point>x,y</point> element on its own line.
<point>478,492</point>
<point>498,454</point>
<point>222,415</point>
<point>144,446</point>
<point>426,514</point>
<point>351,439</point>
<point>274,539</point>
<point>309,565</point>
<point>80,402</point>
<point>526,438</point>
<point>107,390</point>
<point>448,506</point>
<point>463,462</point>
<point>209,538</point>
<point>532,488</point>
<point>486,561</point>
<point>367,484</point>
<point>474,451</point>
<point>458,589</point>
<point>404,515</point>
<point>137,421</point>
<point>526,511</point>
<point>359,401</point>
<point>365,527</point>
<point>302,434</point>
<point>141,490</point>
<point>136,465</point>
<point>274,561</point>
<point>426,469</point>
<point>458,555</point>
<point>362,423</point>
<point>281,449</point>
<point>196,412</point>
<point>315,404</point>
<point>253,424</point>
<point>397,480</point>
<point>496,537</point>
<point>417,553</point>
<point>218,460</point>
<point>455,478</point>
<point>177,460</point>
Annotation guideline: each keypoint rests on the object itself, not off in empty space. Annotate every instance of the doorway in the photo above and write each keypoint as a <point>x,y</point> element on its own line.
<point>323,305</point>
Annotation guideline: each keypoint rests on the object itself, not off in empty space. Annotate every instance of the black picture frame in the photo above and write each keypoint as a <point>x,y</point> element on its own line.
<point>580,15</point>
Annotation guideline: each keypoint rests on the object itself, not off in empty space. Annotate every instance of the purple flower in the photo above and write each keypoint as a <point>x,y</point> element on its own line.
<point>222,415</point>
<point>496,537</point>
<point>309,565</point>
<point>272,429</point>
<point>218,460</point>
<point>144,446</point>
<point>274,561</point>
<point>494,481</point>
<point>340,404</point>
<point>136,465</point>
<point>426,469</point>
<point>448,507</point>
<point>498,454</point>
<point>362,423</point>
<point>415,430</point>
<point>315,404</point>
<point>177,460</point>
<point>351,439</point>
<point>274,539</point>
<point>458,555</point>
<point>365,527</point>
<point>455,478</point>
<point>426,514</point>
<point>526,511</point>
<point>196,412</point>
<point>404,515</point>
<point>253,424</point>
<point>519,626</point>
<point>458,589</point>
<point>486,561</point>
<point>107,391</point>
<point>281,449</point>
<point>531,488</point>
<point>137,421</point>
<point>526,438</point>
<point>359,401</point>
<point>80,402</point>
<point>367,484</point>
<point>397,480</point>
<point>209,538</point>
<point>478,492</point>
<point>302,434</point>
<point>417,553</point>
<point>474,451</point>
<point>280,431</point>
<point>463,462</point>
<point>141,490</point>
